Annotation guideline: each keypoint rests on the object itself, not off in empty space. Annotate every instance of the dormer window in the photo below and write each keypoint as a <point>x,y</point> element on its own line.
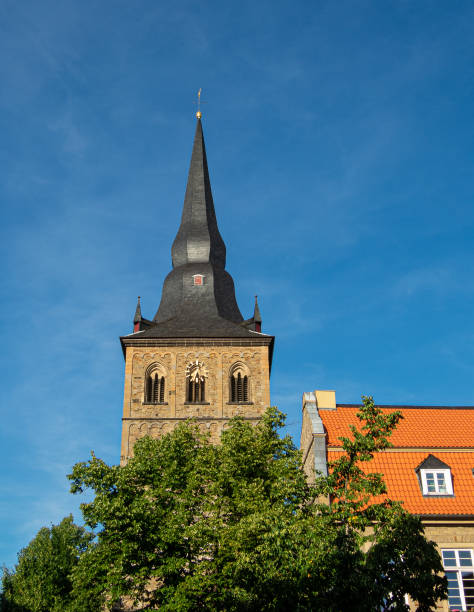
<point>435,477</point>
<point>436,482</point>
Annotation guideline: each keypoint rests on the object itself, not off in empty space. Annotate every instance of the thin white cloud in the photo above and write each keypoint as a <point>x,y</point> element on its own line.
<point>437,279</point>
<point>73,139</point>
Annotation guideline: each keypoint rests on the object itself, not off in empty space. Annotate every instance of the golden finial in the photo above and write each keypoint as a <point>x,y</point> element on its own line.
<point>199,114</point>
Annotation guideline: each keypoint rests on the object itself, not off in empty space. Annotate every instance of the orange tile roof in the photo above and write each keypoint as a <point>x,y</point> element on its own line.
<point>421,427</point>
<point>398,469</point>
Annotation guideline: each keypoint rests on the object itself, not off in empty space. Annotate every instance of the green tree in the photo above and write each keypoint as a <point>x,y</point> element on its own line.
<point>186,525</point>
<point>41,579</point>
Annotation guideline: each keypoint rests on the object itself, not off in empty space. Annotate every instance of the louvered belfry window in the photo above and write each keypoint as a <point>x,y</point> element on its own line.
<point>196,391</point>
<point>155,388</point>
<point>196,375</point>
<point>239,386</point>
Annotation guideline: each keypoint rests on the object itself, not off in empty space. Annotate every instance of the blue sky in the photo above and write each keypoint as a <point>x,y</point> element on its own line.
<point>340,141</point>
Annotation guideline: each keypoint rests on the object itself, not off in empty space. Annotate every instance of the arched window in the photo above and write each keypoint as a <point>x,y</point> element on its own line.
<point>239,384</point>
<point>196,374</point>
<point>155,383</point>
<point>196,391</point>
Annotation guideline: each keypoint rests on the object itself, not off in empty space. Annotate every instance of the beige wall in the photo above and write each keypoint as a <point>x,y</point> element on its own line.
<point>307,446</point>
<point>140,419</point>
<point>313,433</point>
<point>453,534</point>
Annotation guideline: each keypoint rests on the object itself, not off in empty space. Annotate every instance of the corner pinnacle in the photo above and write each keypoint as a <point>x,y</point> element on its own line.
<point>138,316</point>
<point>257,317</point>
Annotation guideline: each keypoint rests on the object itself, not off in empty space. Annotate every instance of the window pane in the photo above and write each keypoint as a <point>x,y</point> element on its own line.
<point>465,558</point>
<point>430,482</point>
<point>452,580</point>
<point>468,584</point>
<point>455,604</point>
<point>453,589</point>
<point>441,482</point>
<point>448,554</point>
<point>454,601</point>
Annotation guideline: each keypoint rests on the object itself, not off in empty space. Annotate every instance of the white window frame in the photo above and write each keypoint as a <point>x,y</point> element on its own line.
<point>446,474</point>
<point>454,574</point>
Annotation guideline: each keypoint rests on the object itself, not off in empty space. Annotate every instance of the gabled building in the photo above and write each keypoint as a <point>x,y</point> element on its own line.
<point>430,468</point>
<point>197,357</point>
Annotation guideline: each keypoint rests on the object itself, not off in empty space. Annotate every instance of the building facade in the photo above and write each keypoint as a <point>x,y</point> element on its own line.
<point>430,468</point>
<point>197,358</point>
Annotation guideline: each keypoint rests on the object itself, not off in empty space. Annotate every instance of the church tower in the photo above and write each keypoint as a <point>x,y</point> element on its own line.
<point>197,358</point>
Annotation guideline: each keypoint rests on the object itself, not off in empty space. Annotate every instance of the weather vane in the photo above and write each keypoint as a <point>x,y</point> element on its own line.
<point>199,114</point>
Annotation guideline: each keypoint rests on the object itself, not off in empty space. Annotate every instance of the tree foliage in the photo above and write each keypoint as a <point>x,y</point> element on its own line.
<point>186,525</point>
<point>41,580</point>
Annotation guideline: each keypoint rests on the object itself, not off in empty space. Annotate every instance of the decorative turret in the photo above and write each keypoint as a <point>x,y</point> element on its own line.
<point>255,323</point>
<point>138,317</point>
<point>257,317</point>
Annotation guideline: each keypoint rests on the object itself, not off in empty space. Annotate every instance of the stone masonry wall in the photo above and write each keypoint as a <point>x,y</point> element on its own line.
<point>140,418</point>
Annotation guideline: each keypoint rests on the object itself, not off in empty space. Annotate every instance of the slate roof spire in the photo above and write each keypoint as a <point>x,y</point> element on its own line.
<point>198,239</point>
<point>198,297</point>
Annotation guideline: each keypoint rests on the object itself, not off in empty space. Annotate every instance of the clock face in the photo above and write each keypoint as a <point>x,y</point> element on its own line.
<point>196,371</point>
